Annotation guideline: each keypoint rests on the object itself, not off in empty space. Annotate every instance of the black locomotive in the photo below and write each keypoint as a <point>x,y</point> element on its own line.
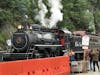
<point>36,41</point>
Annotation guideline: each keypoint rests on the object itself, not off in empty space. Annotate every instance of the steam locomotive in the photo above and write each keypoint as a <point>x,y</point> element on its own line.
<point>36,41</point>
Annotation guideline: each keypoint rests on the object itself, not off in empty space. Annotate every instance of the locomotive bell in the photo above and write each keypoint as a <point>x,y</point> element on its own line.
<point>19,26</point>
<point>30,27</point>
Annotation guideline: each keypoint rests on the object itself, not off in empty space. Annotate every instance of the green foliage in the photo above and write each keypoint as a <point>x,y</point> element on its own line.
<point>97,15</point>
<point>5,16</point>
<point>2,37</point>
<point>77,14</point>
<point>81,14</point>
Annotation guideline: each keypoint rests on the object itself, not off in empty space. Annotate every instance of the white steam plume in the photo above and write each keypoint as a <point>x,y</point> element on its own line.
<point>42,13</point>
<point>56,14</point>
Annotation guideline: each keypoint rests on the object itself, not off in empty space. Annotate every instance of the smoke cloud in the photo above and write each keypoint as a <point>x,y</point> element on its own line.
<point>56,14</point>
<point>42,13</point>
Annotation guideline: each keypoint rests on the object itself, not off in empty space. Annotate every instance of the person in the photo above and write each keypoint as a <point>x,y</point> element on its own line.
<point>91,60</point>
<point>95,54</point>
<point>72,59</point>
<point>72,55</point>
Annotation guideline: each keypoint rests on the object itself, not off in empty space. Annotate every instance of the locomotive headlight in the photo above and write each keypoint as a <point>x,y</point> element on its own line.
<point>19,26</point>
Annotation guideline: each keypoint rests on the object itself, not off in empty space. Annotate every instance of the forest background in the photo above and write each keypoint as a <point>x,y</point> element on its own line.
<point>77,15</point>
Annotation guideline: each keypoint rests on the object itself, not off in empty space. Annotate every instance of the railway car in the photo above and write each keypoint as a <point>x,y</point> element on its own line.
<point>76,45</point>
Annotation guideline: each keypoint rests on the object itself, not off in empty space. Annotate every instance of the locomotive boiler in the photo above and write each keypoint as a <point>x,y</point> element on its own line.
<point>22,40</point>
